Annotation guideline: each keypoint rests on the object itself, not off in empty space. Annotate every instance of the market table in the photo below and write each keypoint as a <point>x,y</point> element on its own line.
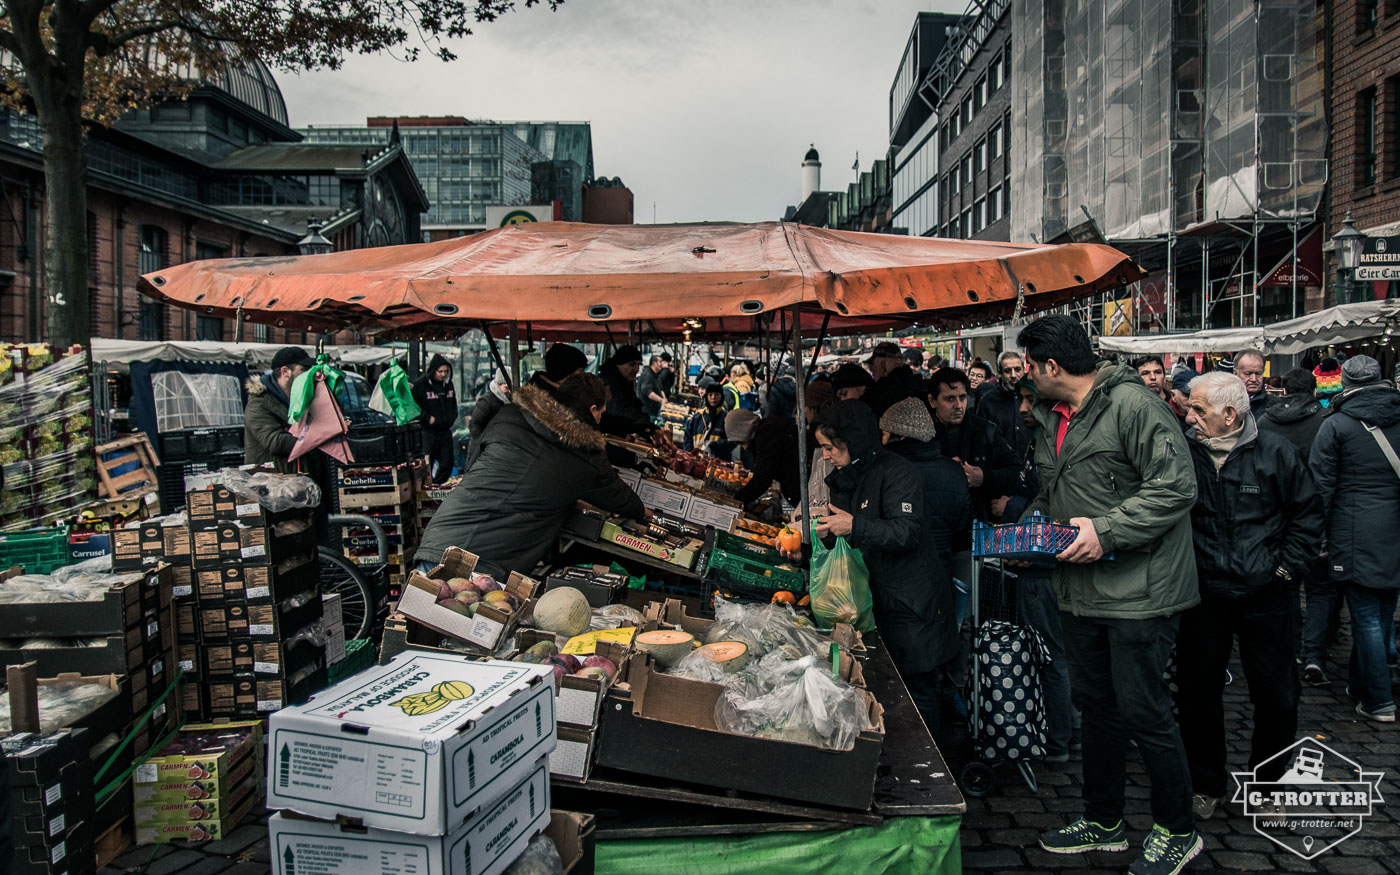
<point>654,825</point>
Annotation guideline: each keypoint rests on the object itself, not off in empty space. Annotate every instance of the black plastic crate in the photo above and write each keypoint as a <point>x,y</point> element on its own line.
<point>171,475</point>
<point>385,443</point>
<point>197,443</point>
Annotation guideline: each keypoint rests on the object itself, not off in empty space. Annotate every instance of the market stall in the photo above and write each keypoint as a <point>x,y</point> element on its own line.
<point>1335,326</point>
<point>629,690</point>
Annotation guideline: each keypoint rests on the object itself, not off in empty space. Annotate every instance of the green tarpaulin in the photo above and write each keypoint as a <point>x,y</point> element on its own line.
<point>900,844</point>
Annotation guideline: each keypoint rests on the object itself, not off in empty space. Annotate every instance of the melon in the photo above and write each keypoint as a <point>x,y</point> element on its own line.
<point>666,646</point>
<point>728,655</point>
<point>563,611</point>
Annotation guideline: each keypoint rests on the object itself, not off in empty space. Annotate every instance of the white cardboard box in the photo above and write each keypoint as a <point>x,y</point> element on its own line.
<point>485,845</point>
<point>332,620</point>
<point>417,745</point>
<point>663,498</point>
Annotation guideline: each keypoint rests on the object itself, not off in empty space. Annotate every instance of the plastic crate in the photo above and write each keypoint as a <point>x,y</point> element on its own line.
<point>200,443</point>
<point>171,476</point>
<point>739,570</point>
<point>385,443</point>
<point>1037,538</point>
<point>359,655</point>
<point>756,550</point>
<point>38,551</point>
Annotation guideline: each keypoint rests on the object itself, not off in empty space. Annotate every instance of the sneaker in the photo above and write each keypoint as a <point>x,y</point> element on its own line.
<point>1166,854</point>
<point>1057,757</point>
<point>1313,675</point>
<point>1085,835</point>
<point>1381,715</point>
<point>1204,806</point>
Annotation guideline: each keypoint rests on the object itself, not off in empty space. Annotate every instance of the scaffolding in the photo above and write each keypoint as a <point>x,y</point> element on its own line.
<point>1191,132</point>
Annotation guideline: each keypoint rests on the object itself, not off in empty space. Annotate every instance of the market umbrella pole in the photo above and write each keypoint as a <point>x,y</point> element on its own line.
<point>496,354</point>
<point>803,464</point>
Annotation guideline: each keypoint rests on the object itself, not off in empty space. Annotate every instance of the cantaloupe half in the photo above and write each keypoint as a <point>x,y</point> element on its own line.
<point>666,646</point>
<point>728,655</point>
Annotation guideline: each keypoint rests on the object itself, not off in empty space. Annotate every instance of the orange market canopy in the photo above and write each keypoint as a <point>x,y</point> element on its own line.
<point>570,280</point>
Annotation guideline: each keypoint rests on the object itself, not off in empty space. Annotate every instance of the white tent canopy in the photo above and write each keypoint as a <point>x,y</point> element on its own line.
<point>119,354</point>
<point>1341,324</point>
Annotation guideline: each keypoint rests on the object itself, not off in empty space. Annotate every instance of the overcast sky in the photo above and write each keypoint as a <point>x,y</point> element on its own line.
<point>704,107</point>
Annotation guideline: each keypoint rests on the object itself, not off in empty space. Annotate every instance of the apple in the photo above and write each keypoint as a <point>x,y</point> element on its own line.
<point>560,669</point>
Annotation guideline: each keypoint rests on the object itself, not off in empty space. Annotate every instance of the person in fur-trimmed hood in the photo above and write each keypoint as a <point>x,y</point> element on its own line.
<point>266,438</point>
<point>538,456</point>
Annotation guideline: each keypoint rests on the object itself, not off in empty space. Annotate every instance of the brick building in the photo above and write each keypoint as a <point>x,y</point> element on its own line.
<point>1364,51</point>
<point>219,174</point>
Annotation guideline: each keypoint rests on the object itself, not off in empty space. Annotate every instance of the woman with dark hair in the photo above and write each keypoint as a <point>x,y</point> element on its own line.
<point>539,455</point>
<point>877,504</point>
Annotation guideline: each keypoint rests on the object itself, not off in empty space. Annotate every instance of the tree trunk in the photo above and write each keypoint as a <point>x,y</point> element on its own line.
<point>66,258</point>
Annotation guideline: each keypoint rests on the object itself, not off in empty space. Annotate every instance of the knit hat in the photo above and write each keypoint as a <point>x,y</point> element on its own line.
<point>819,395</point>
<point>561,360</point>
<point>1226,364</point>
<point>1182,381</point>
<point>1329,376</point>
<point>740,425</point>
<point>1360,370</point>
<point>908,418</point>
<point>626,354</point>
<point>851,375</point>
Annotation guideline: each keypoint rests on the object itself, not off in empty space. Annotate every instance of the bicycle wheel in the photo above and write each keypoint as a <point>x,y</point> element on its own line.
<point>340,576</point>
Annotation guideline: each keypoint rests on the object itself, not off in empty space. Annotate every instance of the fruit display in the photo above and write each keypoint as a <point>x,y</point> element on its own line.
<point>465,595</point>
<point>667,646</point>
<point>46,459</point>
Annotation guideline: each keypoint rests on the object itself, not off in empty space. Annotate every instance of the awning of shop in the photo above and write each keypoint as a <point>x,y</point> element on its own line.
<point>571,278</point>
<point>1211,340</point>
<point>119,354</point>
<point>1337,325</point>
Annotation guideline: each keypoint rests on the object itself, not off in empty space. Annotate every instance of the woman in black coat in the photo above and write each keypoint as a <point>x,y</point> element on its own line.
<point>539,456</point>
<point>877,504</point>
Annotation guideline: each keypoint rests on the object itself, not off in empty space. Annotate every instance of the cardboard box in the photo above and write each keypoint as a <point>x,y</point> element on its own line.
<point>136,548</point>
<point>683,556</point>
<point>577,699</point>
<point>485,844</point>
<point>599,585</point>
<point>216,544</point>
<point>662,725</point>
<point>712,513</point>
<point>243,582</point>
<point>251,696</point>
<point>259,622</point>
<point>199,830</point>
<point>117,611</point>
<point>193,811</point>
<point>203,752</point>
<point>658,495</point>
<point>186,789</point>
<point>389,748</point>
<point>333,622</point>
<point>572,834</point>
<point>181,582</point>
<point>219,504</point>
<point>490,624</point>
<point>572,759</point>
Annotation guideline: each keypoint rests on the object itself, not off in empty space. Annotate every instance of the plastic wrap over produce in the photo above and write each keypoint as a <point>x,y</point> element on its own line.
<point>84,582</point>
<point>46,455</point>
<point>61,704</point>
<point>276,492</point>
<point>792,700</point>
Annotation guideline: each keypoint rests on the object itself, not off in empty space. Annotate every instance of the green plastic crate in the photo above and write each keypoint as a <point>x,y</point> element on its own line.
<point>738,546</point>
<point>359,654</point>
<point>739,570</point>
<point>38,551</point>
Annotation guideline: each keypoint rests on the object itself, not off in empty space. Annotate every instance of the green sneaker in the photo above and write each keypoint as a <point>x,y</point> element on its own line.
<point>1085,835</point>
<point>1166,854</point>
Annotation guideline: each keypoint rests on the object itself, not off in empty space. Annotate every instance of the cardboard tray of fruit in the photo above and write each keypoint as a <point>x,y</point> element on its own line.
<point>581,683</point>
<point>473,608</point>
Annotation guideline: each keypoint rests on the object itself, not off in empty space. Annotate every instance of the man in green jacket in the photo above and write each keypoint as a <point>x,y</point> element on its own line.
<point>1114,463</point>
<point>266,439</point>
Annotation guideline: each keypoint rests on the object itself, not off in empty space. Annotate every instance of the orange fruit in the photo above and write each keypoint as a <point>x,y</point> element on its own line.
<point>782,596</point>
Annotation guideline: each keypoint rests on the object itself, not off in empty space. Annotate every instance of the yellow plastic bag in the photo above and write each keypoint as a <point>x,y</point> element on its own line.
<point>841,586</point>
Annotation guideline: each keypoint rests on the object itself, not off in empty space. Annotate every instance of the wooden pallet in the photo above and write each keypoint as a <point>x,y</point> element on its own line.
<point>114,842</point>
<point>134,483</point>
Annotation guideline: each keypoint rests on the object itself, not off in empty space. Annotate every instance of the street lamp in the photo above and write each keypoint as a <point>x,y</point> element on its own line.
<point>314,244</point>
<point>1347,243</point>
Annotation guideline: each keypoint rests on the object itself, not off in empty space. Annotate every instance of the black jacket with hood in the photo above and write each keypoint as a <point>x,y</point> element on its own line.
<point>885,494</point>
<point>775,453</point>
<point>1258,513</point>
<point>624,415</point>
<point>947,501</point>
<point>436,400</point>
<point>537,458</point>
<point>1360,491</point>
<point>1296,417</point>
<point>266,439</point>
<point>979,443</point>
<point>1002,407</point>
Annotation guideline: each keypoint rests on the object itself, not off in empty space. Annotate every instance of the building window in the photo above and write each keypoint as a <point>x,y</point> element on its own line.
<point>965,224</point>
<point>952,185</point>
<point>967,170</point>
<point>1006,63</point>
<point>152,325</point>
<point>1368,137</point>
<point>204,250</point>
<point>152,254</point>
<point>261,333</point>
<point>967,111</point>
<point>994,205</point>
<point>1005,200</point>
<point>994,77</point>
<point>983,162</point>
<point>979,95</point>
<point>1395,126</point>
<point>979,215</point>
<point>994,141</point>
<point>208,328</point>
<point>1369,12</point>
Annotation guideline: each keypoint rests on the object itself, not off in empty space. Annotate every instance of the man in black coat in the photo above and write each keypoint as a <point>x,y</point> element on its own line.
<point>1000,402</point>
<point>877,505</point>
<point>895,380</point>
<point>1297,415</point>
<point>624,415</point>
<point>1249,367</point>
<point>649,389</point>
<point>538,457</point>
<point>992,467</point>
<point>561,361</point>
<point>1360,486</point>
<point>909,433</point>
<point>436,397</point>
<point>1256,527</point>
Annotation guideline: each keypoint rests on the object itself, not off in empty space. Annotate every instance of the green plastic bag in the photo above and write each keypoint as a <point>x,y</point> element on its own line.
<point>398,394</point>
<point>840,586</point>
<point>304,387</point>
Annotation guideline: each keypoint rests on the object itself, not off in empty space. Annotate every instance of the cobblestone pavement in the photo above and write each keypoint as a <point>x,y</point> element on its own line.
<point>999,832</point>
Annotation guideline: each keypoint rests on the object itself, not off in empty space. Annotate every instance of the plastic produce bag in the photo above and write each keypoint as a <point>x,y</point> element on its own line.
<point>540,857</point>
<point>841,585</point>
<point>304,387</point>
<point>276,492</point>
<point>397,394</point>
<point>797,701</point>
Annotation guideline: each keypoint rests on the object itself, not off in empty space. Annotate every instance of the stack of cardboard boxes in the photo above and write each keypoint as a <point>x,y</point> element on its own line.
<point>389,495</point>
<point>257,605</point>
<point>432,763</point>
<point>50,803</point>
<point>200,785</point>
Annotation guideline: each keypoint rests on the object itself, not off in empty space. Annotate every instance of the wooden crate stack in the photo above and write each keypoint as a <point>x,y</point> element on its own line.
<point>389,495</point>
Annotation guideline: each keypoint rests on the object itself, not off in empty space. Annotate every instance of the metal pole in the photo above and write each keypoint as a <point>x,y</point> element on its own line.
<point>513,331</point>
<point>496,353</point>
<point>803,460</point>
<point>1293,292</point>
